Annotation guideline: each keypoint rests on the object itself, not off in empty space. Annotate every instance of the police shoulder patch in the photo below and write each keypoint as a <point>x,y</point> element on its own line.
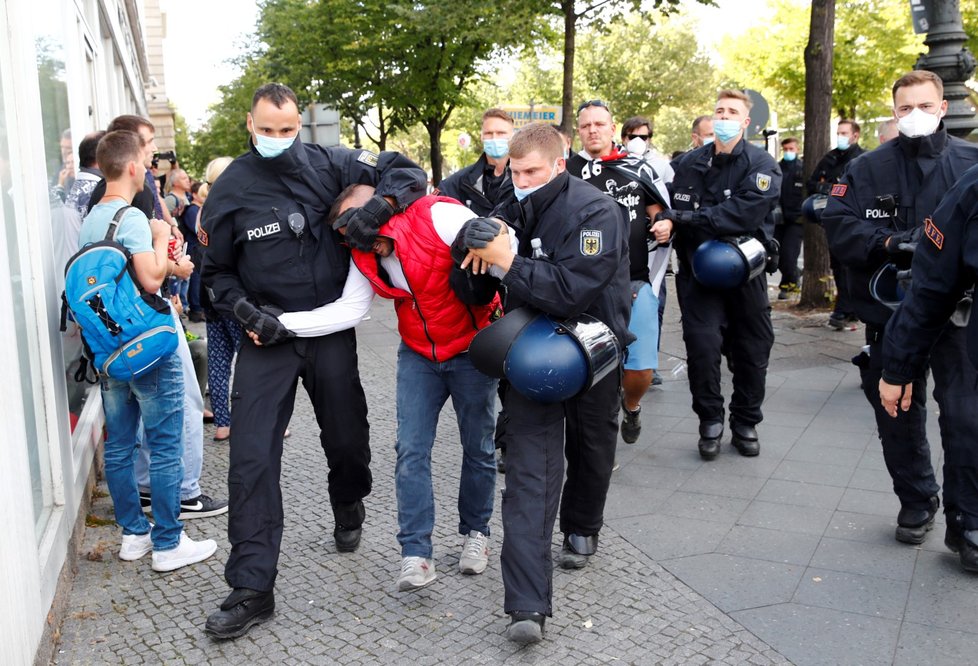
<point>763,182</point>
<point>839,190</point>
<point>590,242</point>
<point>202,236</point>
<point>933,233</point>
<point>368,158</point>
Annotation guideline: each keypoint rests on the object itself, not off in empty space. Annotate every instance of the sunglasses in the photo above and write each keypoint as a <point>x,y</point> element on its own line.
<point>643,137</point>
<point>593,102</point>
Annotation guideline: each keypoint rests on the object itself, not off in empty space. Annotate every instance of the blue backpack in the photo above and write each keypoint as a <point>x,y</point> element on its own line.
<point>125,330</point>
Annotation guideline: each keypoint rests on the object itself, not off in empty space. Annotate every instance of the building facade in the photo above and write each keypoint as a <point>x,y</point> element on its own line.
<point>67,67</point>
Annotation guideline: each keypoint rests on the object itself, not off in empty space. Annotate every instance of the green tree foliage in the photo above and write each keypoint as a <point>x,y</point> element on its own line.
<point>874,45</point>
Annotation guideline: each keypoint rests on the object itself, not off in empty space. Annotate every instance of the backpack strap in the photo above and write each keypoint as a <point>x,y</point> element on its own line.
<point>114,224</point>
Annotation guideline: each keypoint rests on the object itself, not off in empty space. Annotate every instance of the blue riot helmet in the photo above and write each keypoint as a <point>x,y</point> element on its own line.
<point>889,285</point>
<point>551,361</point>
<point>812,207</point>
<point>726,263</point>
<point>489,347</point>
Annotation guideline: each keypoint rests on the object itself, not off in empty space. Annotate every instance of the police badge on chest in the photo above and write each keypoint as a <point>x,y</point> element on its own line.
<point>266,230</point>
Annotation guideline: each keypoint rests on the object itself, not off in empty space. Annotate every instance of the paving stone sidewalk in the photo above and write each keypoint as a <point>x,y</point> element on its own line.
<point>788,556</point>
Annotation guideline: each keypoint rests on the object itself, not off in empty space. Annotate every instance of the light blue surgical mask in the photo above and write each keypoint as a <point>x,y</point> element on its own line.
<point>496,148</point>
<point>725,130</point>
<point>270,146</point>
<point>707,141</point>
<point>842,142</point>
<point>789,157</point>
<point>522,193</point>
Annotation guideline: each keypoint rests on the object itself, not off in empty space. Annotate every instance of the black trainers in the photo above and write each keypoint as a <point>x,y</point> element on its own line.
<point>202,506</point>
<point>145,501</point>
<point>631,423</point>
<point>913,524</point>
<point>964,543</point>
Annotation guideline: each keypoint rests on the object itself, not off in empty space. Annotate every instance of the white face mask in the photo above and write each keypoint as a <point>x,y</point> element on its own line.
<point>636,146</point>
<point>918,123</point>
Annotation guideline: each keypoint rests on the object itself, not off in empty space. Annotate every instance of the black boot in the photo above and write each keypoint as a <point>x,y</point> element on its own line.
<point>709,444</point>
<point>962,542</point>
<point>242,610</point>
<point>576,550</point>
<point>913,523</point>
<point>349,522</point>
<point>525,627</point>
<point>744,439</point>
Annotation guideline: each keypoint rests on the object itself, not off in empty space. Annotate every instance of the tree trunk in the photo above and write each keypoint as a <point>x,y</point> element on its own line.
<point>434,136</point>
<point>818,112</point>
<point>567,122</point>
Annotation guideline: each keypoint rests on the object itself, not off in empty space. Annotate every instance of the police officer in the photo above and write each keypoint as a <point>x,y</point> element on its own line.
<point>268,249</point>
<point>789,232</point>
<point>883,203</point>
<point>724,189</point>
<point>584,270</point>
<point>631,181</point>
<point>945,268</point>
<point>483,185</point>
<point>827,172</point>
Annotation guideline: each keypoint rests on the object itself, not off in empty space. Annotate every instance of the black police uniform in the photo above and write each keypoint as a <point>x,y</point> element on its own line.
<point>916,174</point>
<point>827,172</point>
<point>731,195</point>
<point>586,271</point>
<point>251,252</point>
<point>478,187</point>
<point>945,266</point>
<point>790,232</point>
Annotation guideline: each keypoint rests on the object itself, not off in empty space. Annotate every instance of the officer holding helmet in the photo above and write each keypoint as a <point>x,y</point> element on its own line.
<point>581,268</point>
<point>268,248</point>
<point>874,216</point>
<point>724,190</point>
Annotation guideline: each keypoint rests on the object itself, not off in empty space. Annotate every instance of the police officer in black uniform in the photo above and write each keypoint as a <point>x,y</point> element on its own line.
<point>789,231</point>
<point>945,269</point>
<point>585,270</point>
<point>724,189</point>
<point>880,206</point>
<point>487,183</point>
<point>268,249</point>
<point>827,172</point>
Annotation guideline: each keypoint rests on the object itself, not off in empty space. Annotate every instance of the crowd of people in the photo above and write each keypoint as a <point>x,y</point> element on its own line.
<point>283,249</point>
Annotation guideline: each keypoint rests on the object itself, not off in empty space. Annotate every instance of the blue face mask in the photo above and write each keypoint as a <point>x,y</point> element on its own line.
<point>725,130</point>
<point>269,146</point>
<point>790,157</point>
<point>707,141</point>
<point>842,142</point>
<point>496,148</point>
<point>524,193</point>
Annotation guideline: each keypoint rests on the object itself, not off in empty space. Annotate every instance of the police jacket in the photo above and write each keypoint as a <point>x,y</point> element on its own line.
<point>913,174</point>
<point>731,195</point>
<point>431,319</point>
<point>584,234</point>
<point>468,186</point>
<point>251,249</point>
<point>830,168</point>
<point>792,189</point>
<point>945,265</point>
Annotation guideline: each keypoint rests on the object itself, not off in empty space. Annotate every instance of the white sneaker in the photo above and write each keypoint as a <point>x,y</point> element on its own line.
<point>134,546</point>
<point>187,552</point>
<point>416,572</point>
<point>475,553</point>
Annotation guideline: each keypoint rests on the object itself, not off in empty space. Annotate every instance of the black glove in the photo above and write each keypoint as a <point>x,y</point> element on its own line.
<point>904,241</point>
<point>362,224</point>
<point>479,232</point>
<point>676,216</point>
<point>263,321</point>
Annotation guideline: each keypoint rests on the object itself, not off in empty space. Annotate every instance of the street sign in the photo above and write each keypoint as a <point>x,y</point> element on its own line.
<point>920,16</point>
<point>759,113</point>
<point>538,113</point>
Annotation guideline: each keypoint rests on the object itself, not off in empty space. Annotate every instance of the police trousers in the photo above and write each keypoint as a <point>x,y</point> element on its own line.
<point>263,397</point>
<point>739,322</point>
<point>535,453</point>
<point>904,438</point>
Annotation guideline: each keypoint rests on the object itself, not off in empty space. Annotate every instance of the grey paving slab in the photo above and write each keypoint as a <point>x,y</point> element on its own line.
<point>834,455</point>
<point>814,636</point>
<point>771,515</point>
<point>765,544</point>
<point>815,495</point>
<point>884,561</point>
<point>717,480</point>
<point>822,473</point>
<point>735,583</point>
<point>700,506</point>
<point>854,593</point>
<point>922,644</point>
<point>878,502</point>
<point>863,527</point>
<point>664,537</point>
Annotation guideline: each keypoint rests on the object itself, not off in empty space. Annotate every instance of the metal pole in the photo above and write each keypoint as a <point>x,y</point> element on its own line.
<point>950,59</point>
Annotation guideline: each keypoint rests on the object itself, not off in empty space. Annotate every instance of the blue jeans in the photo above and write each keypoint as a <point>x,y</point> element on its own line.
<point>157,398</point>
<point>193,427</point>
<point>423,386</point>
